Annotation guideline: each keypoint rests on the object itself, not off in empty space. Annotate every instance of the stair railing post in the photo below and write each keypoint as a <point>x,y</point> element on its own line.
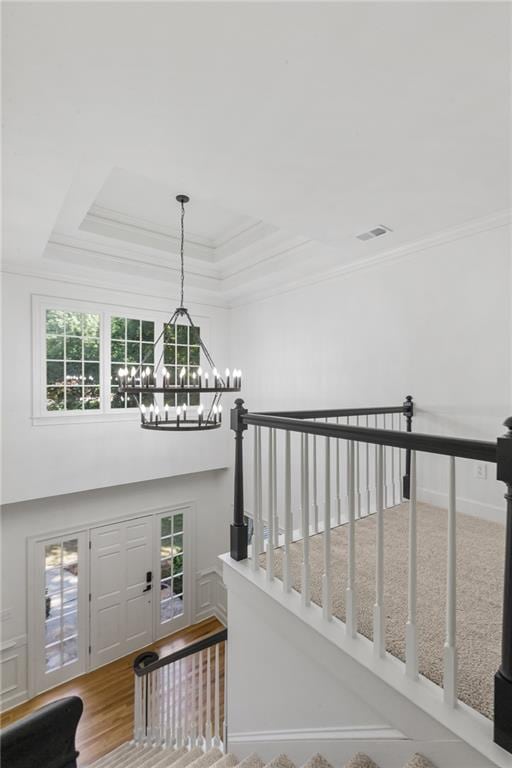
<point>503,677</point>
<point>408,413</point>
<point>239,538</point>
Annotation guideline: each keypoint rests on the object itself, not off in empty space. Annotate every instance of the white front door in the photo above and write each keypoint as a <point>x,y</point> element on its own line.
<point>121,589</point>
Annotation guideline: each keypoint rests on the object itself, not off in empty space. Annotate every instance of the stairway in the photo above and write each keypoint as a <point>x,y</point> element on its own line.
<point>129,755</point>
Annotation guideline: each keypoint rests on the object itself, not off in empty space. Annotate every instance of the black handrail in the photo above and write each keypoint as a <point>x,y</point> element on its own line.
<point>480,450</point>
<point>141,669</point>
<point>330,413</point>
<point>498,452</point>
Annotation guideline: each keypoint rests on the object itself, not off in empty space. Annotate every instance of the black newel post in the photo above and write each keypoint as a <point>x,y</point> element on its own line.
<point>238,528</point>
<point>408,413</point>
<point>503,677</point>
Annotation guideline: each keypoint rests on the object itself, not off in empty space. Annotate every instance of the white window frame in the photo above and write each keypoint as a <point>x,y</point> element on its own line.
<point>40,303</point>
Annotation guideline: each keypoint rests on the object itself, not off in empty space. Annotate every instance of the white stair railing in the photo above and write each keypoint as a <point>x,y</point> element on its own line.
<point>353,471</point>
<point>180,699</point>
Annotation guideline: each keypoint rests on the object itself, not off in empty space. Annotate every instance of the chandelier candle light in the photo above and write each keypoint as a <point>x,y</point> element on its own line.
<point>145,382</point>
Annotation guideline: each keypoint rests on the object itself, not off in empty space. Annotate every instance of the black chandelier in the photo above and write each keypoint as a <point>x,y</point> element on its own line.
<point>153,387</point>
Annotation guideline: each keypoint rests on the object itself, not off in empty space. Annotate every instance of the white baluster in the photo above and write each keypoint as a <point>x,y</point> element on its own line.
<point>302,494</point>
<point>136,709</point>
<point>193,708</point>
<point>186,718</point>
<point>351,609</point>
<point>201,701</point>
<point>274,476</point>
<point>180,709</point>
<point>385,467</point>
<point>326,579</point>
<point>225,702</point>
<point>450,648</point>
<point>168,736</point>
<point>411,635</point>
<point>208,700</point>
<point>288,520</point>
<point>368,495</point>
<point>358,477</point>
<point>270,515</point>
<point>338,482</point>
<point>379,638</point>
<point>143,708</point>
<point>161,704</point>
<point>315,488</point>
<point>257,494</point>
<point>151,706</point>
<point>306,580</point>
<point>347,467</point>
<point>173,714</point>
<point>400,464</point>
<point>217,696</point>
<point>392,452</point>
<point>261,531</point>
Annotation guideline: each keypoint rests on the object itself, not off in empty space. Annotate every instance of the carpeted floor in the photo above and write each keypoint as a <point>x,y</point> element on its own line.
<point>480,563</point>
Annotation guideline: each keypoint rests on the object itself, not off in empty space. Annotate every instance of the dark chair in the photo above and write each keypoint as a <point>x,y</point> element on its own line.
<point>43,739</point>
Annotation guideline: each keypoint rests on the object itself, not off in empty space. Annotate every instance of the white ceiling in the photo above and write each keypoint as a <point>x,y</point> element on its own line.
<point>292,126</point>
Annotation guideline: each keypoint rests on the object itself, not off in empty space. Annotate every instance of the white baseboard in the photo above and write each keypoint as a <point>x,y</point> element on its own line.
<point>384,744</point>
<point>467,506</point>
<point>319,734</point>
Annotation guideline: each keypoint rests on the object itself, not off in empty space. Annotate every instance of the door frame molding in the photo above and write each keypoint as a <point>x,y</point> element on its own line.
<point>188,507</point>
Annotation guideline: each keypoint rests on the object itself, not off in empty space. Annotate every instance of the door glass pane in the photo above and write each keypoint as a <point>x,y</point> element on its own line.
<point>61,603</point>
<point>171,567</point>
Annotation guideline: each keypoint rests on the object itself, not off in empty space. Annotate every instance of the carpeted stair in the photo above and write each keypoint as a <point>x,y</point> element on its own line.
<point>130,756</point>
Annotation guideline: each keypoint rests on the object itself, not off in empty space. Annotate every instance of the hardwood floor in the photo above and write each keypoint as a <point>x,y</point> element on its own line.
<point>107,694</point>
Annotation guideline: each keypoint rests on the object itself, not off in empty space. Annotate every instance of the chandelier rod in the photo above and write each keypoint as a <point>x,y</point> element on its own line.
<point>182,199</point>
<point>182,243</point>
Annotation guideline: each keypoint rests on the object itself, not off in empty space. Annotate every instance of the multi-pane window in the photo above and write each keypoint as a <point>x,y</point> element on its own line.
<point>72,361</point>
<point>171,567</point>
<point>61,603</point>
<point>181,350</point>
<point>131,345</point>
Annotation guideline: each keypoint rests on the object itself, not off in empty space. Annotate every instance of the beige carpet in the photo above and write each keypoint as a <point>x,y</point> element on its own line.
<point>480,563</point>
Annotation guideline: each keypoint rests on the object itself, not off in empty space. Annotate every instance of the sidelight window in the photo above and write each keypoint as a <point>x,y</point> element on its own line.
<point>172,554</point>
<point>61,603</point>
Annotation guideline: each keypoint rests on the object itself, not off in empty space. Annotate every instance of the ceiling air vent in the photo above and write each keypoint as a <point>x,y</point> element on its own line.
<point>376,232</point>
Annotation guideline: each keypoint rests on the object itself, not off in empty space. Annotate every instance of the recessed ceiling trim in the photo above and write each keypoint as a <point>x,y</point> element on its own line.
<point>119,226</point>
<point>62,247</point>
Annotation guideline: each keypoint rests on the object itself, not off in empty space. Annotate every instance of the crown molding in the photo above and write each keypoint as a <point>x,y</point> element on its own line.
<point>496,220</point>
<point>63,247</point>
<point>196,297</point>
<point>236,242</point>
<point>273,266</point>
<point>120,226</point>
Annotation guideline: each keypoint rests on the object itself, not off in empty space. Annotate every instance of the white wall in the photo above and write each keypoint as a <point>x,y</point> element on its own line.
<point>321,699</point>
<point>207,491</point>
<point>434,324</point>
<point>67,457</point>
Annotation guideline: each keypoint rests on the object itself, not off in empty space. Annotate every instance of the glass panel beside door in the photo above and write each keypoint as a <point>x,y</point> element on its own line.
<point>173,582</point>
<point>60,593</point>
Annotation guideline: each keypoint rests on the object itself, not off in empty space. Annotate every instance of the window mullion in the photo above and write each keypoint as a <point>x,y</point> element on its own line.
<point>159,354</point>
<point>105,362</point>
